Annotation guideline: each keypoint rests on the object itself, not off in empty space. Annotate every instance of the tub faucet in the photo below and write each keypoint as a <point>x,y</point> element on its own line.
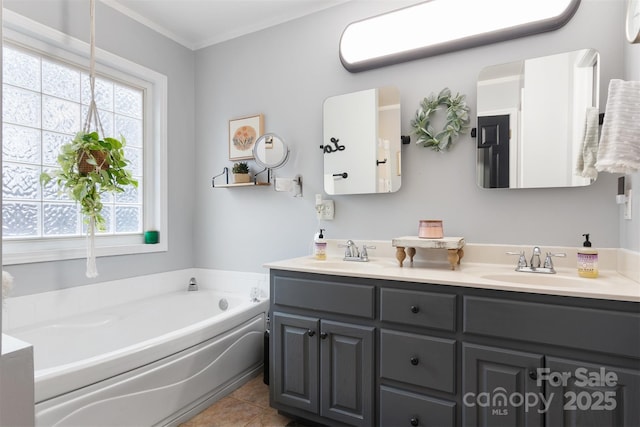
<point>193,285</point>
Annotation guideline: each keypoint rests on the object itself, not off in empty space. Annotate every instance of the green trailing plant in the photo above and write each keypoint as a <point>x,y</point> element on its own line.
<point>457,120</point>
<point>106,172</point>
<point>240,167</point>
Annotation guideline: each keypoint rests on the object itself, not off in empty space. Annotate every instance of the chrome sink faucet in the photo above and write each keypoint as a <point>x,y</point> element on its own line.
<point>535,264</point>
<point>351,252</point>
<point>535,258</point>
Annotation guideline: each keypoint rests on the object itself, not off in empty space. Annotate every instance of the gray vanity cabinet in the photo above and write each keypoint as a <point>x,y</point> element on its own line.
<point>389,353</point>
<point>491,376</point>
<point>323,351</point>
<point>297,363</point>
<point>324,367</point>
<point>605,401</point>
<point>582,369</point>
<point>416,367</point>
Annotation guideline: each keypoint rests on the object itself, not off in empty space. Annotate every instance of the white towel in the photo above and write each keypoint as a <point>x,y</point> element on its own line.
<point>586,161</point>
<point>619,149</point>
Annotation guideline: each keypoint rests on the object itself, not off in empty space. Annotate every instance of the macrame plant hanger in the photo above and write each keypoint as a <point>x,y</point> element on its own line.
<point>93,118</point>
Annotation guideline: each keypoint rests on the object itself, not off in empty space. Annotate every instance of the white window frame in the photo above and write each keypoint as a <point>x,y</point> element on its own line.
<point>20,30</point>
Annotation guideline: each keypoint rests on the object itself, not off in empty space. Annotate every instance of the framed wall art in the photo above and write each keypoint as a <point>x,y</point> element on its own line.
<point>243,133</point>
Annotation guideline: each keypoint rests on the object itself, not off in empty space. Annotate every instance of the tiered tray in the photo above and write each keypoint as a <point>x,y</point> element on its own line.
<point>406,246</point>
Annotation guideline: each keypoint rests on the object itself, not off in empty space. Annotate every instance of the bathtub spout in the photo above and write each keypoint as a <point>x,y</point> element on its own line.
<point>193,286</point>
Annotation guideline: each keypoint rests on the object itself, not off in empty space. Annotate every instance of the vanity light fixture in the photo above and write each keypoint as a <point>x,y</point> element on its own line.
<point>439,26</point>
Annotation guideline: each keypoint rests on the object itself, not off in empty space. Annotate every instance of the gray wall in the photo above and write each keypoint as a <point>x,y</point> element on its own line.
<point>127,38</point>
<point>286,72</point>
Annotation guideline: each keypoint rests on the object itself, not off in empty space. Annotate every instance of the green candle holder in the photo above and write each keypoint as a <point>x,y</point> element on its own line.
<point>151,237</point>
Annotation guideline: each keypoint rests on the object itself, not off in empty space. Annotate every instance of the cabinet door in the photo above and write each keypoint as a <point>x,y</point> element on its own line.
<point>582,394</point>
<point>347,373</point>
<point>498,384</point>
<point>295,361</point>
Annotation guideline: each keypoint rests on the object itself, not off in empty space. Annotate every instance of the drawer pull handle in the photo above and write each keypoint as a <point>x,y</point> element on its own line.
<point>414,361</point>
<point>311,333</point>
<point>324,335</point>
<point>415,421</point>
<point>415,309</point>
<point>533,375</point>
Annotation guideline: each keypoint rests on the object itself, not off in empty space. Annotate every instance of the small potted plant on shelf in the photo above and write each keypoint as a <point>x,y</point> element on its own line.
<point>241,172</point>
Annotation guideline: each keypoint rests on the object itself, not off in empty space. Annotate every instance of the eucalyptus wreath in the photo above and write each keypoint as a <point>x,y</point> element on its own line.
<point>456,121</point>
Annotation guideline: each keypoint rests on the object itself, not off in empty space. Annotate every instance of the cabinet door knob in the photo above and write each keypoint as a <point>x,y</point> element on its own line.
<point>414,361</point>
<point>311,333</point>
<point>533,375</point>
<point>324,335</point>
<point>415,309</point>
<point>415,421</point>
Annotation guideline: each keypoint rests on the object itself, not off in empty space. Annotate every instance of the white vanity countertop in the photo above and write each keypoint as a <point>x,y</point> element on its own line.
<point>610,285</point>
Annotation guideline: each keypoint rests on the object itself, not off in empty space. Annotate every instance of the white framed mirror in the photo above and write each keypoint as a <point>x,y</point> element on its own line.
<point>538,121</point>
<point>361,142</point>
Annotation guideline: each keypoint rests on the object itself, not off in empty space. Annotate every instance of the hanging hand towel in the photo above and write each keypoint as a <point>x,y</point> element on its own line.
<point>586,161</point>
<point>619,149</point>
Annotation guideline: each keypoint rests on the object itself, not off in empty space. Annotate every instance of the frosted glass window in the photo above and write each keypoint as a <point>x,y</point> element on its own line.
<point>45,104</point>
<point>60,80</point>
<point>21,69</point>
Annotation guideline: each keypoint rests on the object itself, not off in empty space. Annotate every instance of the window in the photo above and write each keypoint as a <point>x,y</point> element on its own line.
<point>45,102</point>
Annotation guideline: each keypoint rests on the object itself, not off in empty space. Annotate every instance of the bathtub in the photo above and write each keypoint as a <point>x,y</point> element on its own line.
<point>155,356</point>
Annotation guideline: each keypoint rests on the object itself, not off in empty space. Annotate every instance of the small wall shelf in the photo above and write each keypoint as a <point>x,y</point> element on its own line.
<point>225,173</point>
<point>242,184</point>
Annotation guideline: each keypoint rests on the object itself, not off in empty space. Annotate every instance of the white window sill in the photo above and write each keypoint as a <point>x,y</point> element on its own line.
<point>25,252</point>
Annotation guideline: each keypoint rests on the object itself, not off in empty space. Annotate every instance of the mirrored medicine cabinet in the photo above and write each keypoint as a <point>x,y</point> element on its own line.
<point>532,117</point>
<point>361,142</point>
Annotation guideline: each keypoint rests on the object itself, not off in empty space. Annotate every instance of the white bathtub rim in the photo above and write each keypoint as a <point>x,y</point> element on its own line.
<point>26,310</point>
<point>152,342</point>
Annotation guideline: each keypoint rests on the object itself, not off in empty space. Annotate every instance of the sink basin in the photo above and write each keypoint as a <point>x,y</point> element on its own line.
<point>536,279</point>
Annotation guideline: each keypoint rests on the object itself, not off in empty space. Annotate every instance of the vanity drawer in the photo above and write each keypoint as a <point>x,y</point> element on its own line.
<point>417,359</point>
<point>417,308</point>
<point>327,296</point>
<point>402,408</point>
<point>594,329</point>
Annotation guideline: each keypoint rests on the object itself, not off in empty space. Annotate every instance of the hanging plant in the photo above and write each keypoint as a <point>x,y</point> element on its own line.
<point>457,119</point>
<point>91,165</point>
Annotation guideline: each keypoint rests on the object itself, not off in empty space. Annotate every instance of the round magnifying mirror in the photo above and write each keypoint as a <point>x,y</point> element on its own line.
<point>270,151</point>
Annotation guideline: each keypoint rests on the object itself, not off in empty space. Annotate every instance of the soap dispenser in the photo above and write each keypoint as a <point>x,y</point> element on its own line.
<point>319,245</point>
<point>587,259</point>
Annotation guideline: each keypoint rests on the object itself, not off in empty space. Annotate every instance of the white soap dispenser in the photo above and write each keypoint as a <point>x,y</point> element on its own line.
<point>319,245</point>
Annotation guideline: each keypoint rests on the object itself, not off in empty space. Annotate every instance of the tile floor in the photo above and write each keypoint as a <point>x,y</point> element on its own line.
<point>247,406</point>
